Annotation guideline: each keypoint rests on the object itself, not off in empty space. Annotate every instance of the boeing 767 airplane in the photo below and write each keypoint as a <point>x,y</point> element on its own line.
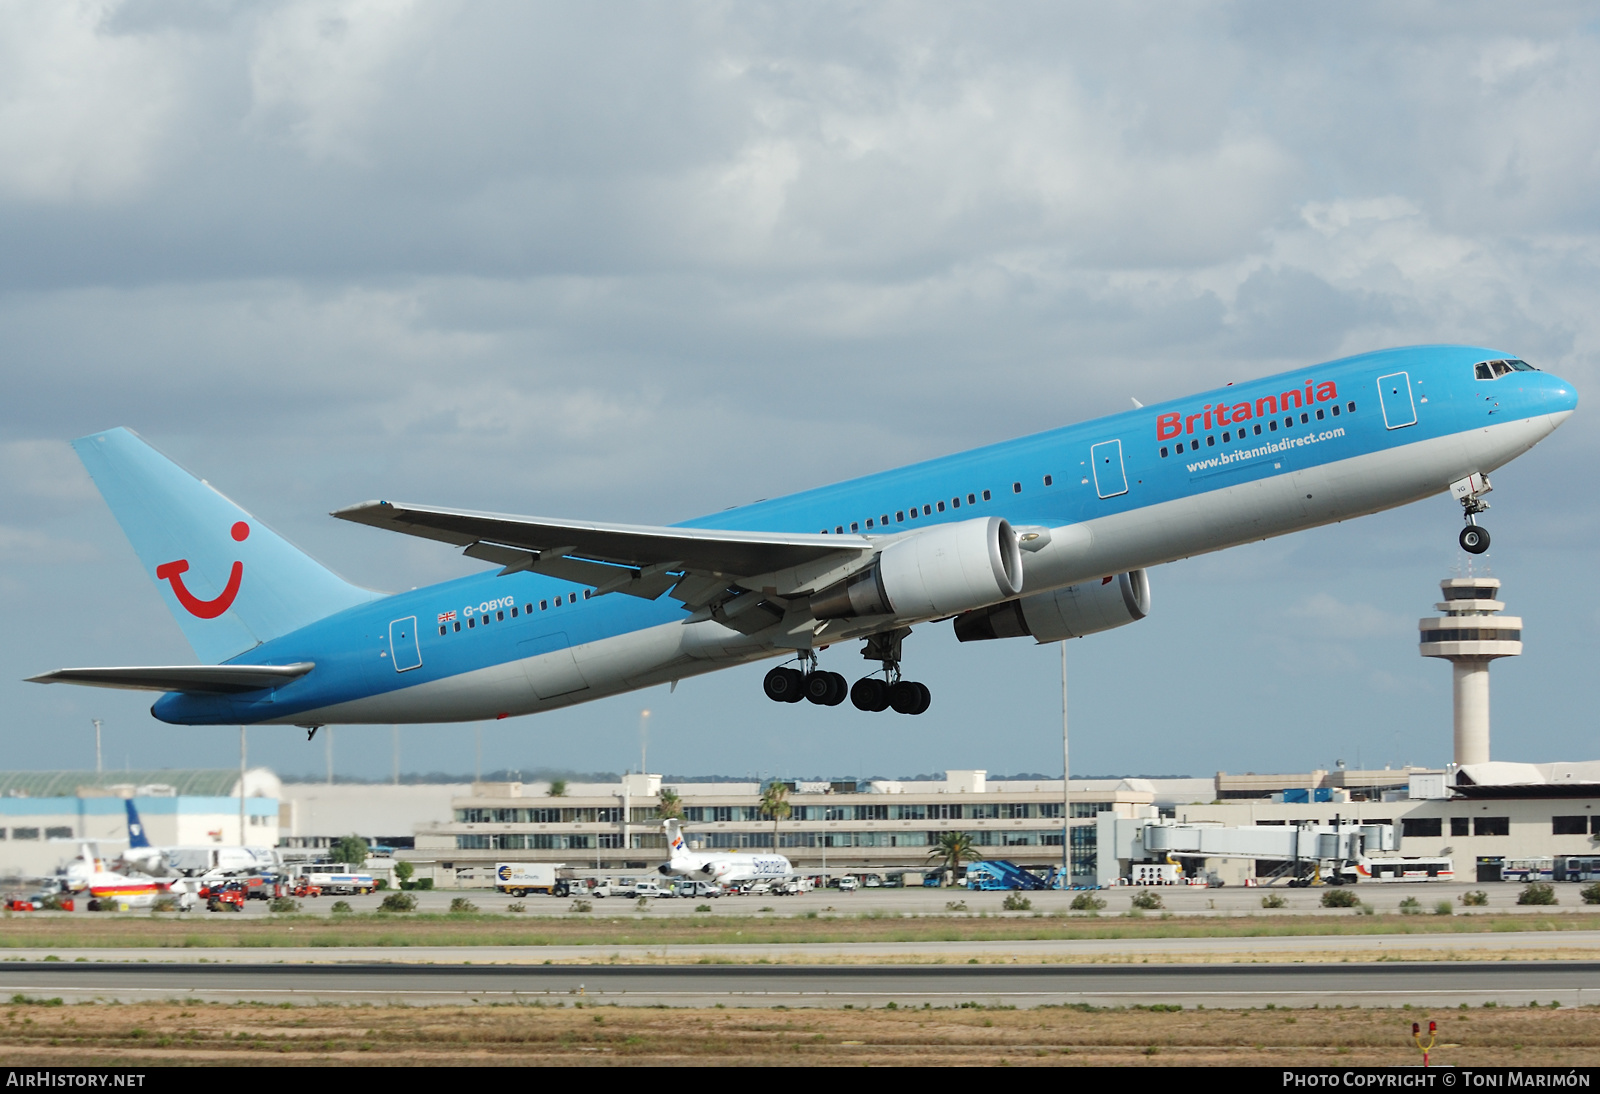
<point>1048,536</point>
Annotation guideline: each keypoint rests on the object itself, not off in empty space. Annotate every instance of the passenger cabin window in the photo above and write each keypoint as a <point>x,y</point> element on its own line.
<point>854,526</point>
<point>899,517</point>
<point>458,626</point>
<point>1049,480</point>
<point>986,495</point>
<point>839,530</point>
<point>955,503</point>
<point>927,510</point>
<point>941,507</point>
<point>869,522</point>
<point>1016,488</point>
<point>972,499</point>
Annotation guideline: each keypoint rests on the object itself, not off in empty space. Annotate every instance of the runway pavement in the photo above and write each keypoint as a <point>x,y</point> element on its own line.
<point>1564,946</point>
<point>1389,984</point>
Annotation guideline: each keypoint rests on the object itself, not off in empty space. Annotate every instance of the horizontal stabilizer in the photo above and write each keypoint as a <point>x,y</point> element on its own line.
<point>205,679</point>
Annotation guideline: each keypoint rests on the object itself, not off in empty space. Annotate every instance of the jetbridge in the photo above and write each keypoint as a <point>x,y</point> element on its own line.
<point>1122,842</point>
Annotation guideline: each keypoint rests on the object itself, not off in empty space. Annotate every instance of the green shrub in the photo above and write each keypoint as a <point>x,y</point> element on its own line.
<point>1444,907</point>
<point>425,883</point>
<point>1536,892</point>
<point>404,871</point>
<point>342,907</point>
<point>588,906</point>
<point>380,884</point>
<point>1146,901</point>
<point>642,904</point>
<point>1365,909</point>
<point>461,905</point>
<point>955,905</point>
<point>1016,902</point>
<point>1087,902</point>
<point>398,902</point>
<point>407,886</point>
<point>1340,898</point>
<point>283,904</point>
<point>1590,893</point>
<point>517,907</point>
<point>1411,906</point>
<point>697,907</point>
<point>1274,900</point>
<point>1477,898</point>
<point>162,904</point>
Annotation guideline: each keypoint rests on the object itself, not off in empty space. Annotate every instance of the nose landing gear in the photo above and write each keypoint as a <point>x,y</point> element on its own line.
<point>1469,492</point>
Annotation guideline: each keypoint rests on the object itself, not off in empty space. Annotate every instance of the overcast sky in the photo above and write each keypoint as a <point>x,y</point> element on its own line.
<point>637,262</point>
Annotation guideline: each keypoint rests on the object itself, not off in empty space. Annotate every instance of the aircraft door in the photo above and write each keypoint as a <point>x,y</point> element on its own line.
<point>403,648</point>
<point>1394,392</point>
<point>1110,479</point>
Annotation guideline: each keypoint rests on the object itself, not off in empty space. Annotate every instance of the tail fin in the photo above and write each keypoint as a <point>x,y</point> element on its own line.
<point>136,834</point>
<point>674,832</point>
<point>230,581</point>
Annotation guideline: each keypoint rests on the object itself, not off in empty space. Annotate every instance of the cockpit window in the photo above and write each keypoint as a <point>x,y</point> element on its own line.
<point>1493,370</point>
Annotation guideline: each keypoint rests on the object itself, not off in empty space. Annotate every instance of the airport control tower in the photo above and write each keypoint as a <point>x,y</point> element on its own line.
<point>1470,635</point>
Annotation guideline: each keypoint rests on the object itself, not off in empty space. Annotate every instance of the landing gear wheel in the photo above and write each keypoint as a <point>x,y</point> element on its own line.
<point>784,685</point>
<point>870,693</point>
<point>909,697</point>
<point>826,689</point>
<point>1474,540</point>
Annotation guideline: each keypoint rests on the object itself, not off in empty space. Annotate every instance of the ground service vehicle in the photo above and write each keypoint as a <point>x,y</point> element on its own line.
<point>303,887</point>
<point>522,878</point>
<point>340,882</point>
<point>228,897</point>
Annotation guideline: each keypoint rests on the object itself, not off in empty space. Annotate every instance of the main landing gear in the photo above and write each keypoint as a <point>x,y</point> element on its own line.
<point>786,684</point>
<point>1469,492</point>
<point>789,685</point>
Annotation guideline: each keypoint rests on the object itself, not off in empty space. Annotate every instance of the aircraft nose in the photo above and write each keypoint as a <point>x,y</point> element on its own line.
<point>1560,397</point>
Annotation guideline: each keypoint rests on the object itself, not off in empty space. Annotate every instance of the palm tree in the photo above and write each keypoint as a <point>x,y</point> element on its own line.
<point>775,804</point>
<point>671,805</point>
<point>951,849</point>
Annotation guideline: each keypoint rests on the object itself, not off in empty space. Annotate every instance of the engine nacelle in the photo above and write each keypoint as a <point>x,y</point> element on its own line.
<point>1071,612</point>
<point>948,569</point>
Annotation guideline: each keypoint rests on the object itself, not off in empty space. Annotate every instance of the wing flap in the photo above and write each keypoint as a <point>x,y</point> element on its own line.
<point>204,679</point>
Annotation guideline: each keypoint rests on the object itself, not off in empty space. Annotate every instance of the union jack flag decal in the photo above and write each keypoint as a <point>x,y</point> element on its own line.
<point>447,617</point>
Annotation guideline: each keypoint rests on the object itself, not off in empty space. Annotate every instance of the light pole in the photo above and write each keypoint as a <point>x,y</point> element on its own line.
<point>1066,782</point>
<point>98,769</point>
<point>242,755</point>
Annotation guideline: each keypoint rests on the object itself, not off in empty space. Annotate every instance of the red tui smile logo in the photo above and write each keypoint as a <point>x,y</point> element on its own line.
<point>205,609</point>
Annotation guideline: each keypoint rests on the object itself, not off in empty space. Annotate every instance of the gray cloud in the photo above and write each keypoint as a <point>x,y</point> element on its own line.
<point>640,263</point>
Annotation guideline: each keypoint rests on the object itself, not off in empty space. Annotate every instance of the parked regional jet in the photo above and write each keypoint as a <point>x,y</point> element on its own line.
<point>198,860</point>
<point>722,867</point>
<point>1048,536</point>
<point>88,873</point>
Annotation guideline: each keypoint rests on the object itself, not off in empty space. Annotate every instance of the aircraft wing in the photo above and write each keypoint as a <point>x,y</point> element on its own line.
<point>642,560</point>
<point>210,679</point>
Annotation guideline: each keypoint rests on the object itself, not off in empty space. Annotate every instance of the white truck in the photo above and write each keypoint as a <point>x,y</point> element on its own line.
<point>522,878</point>
<point>337,879</point>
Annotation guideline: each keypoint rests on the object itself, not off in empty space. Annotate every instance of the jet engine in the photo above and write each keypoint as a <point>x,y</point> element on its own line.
<point>1070,612</point>
<point>945,570</point>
